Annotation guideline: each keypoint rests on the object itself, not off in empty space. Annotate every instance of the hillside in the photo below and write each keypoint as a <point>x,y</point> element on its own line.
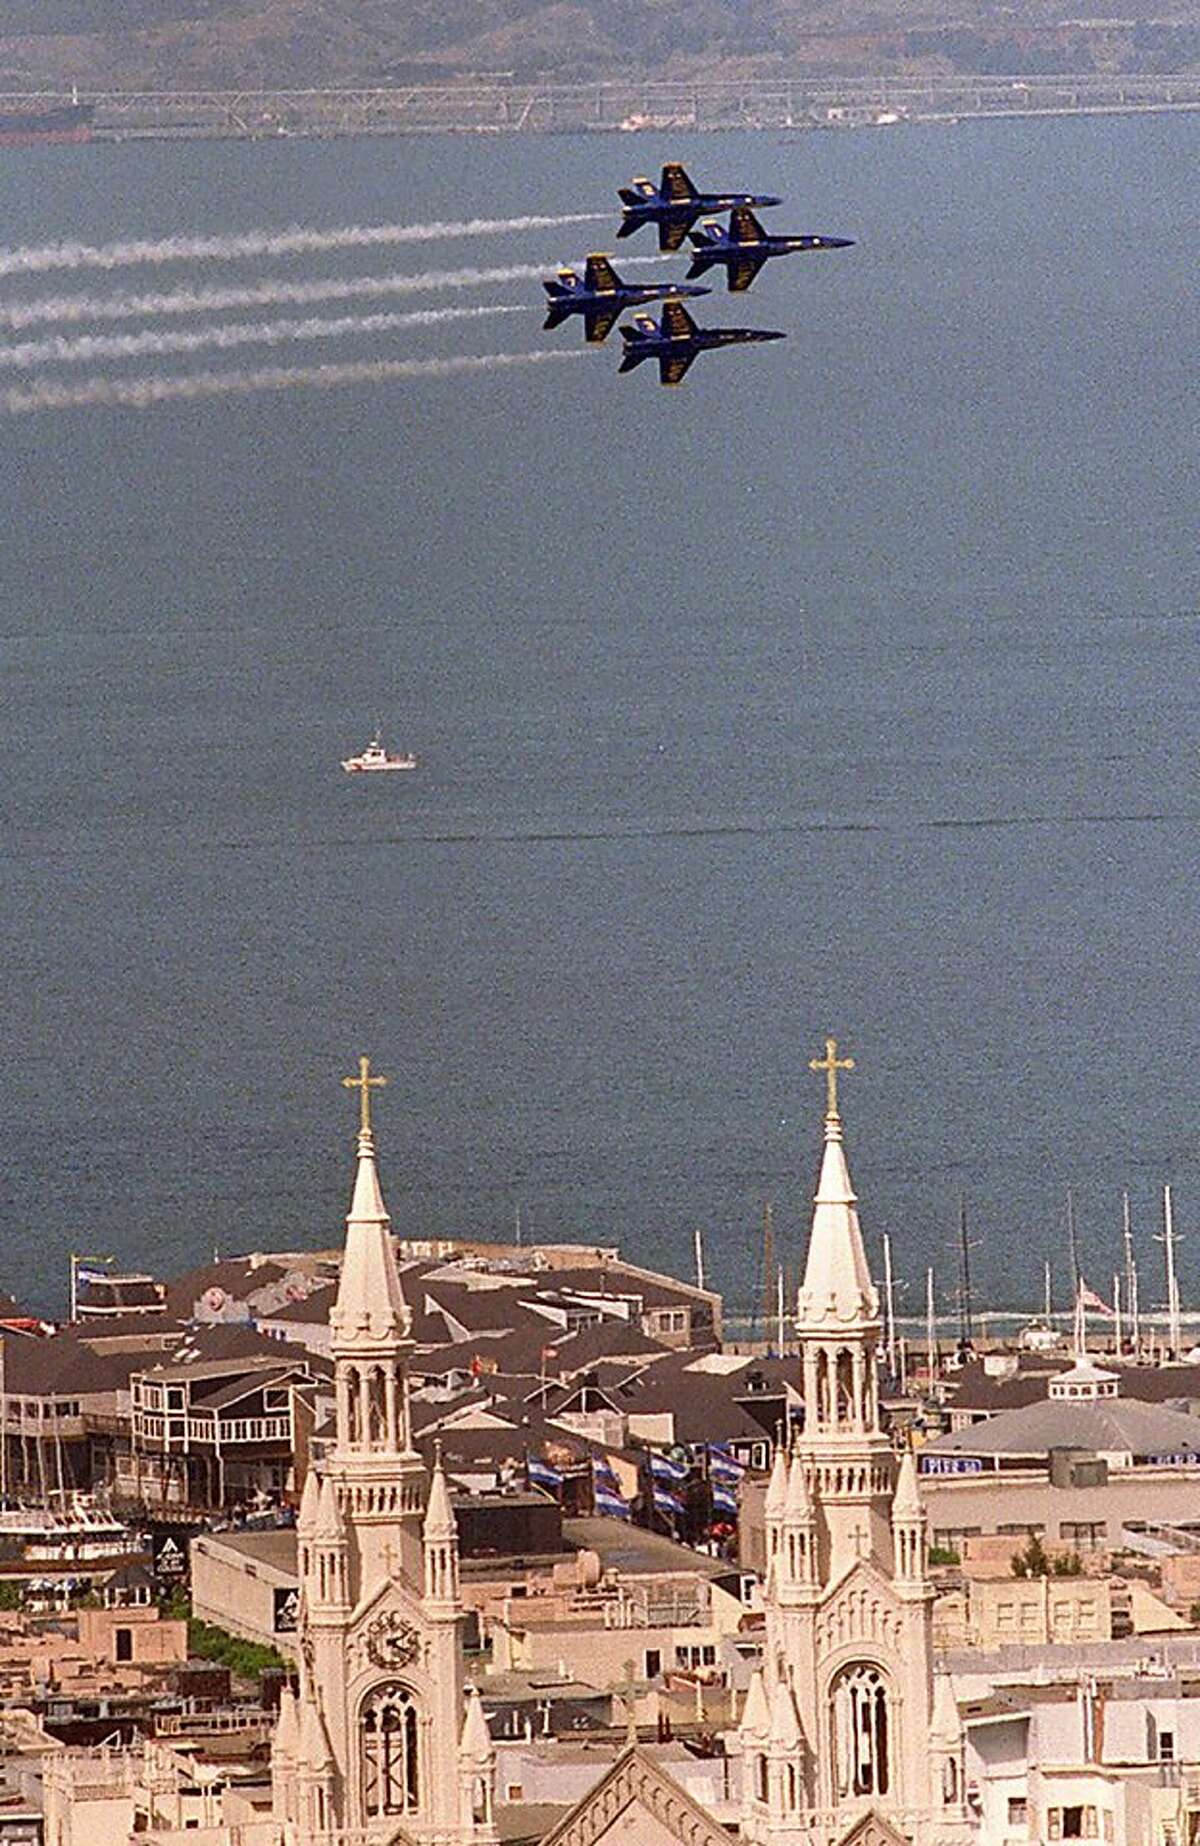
<point>119,44</point>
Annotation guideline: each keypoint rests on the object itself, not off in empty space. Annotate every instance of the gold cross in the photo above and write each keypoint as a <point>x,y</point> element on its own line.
<point>831,1064</point>
<point>364,1083</point>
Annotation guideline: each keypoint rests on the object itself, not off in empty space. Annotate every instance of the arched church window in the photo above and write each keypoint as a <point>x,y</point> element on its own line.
<point>761,1773</point>
<point>823,1392</point>
<point>845,1387</point>
<point>390,1759</point>
<point>860,1728</point>
<point>375,1408</point>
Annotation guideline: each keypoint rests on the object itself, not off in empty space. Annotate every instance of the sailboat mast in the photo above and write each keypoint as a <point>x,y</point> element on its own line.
<point>768,1267</point>
<point>1172,1279</point>
<point>1073,1243</point>
<point>1131,1277</point>
<point>889,1303</point>
<point>966,1323</point>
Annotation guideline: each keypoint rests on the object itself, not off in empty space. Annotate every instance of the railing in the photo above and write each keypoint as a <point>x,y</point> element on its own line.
<point>176,1433</point>
<point>193,1723</point>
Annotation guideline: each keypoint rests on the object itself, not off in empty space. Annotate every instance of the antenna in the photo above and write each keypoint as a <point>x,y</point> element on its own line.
<point>699,1258</point>
<point>1049,1308</point>
<point>1118,1328</point>
<point>931,1332</point>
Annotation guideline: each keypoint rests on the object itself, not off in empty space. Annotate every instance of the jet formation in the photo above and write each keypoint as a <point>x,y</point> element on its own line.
<point>674,207</point>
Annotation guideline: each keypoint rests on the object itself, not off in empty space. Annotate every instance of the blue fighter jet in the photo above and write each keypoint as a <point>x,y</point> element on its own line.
<point>601,297</point>
<point>675,340</point>
<point>745,247</point>
<point>675,205</point>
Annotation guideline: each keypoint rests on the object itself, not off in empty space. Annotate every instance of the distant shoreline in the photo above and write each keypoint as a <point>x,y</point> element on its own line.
<point>778,106</point>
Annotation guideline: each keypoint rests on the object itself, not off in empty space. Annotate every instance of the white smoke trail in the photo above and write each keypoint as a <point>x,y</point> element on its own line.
<point>145,393</point>
<point>66,309</point>
<point>34,259</point>
<point>62,351</point>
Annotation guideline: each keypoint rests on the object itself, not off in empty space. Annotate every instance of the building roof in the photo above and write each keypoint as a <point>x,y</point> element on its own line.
<point>275,1546</point>
<point>636,1552</point>
<point>1112,1425</point>
<point>63,1365</point>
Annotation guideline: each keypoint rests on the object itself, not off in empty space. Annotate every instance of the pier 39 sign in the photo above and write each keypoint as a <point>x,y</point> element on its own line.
<point>950,1464</point>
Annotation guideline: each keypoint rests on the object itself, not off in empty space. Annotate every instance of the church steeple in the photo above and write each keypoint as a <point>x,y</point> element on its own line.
<point>840,1728</point>
<point>846,1456</point>
<point>837,1290</point>
<point>439,1537</point>
<point>370,1310</point>
<point>908,1526</point>
<point>377,1474</point>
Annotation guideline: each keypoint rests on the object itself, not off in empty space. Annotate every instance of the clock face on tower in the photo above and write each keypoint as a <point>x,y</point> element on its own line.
<point>391,1641</point>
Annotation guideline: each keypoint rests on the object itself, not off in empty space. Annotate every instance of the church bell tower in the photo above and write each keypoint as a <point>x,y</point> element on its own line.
<point>837,1725</point>
<point>382,1742</point>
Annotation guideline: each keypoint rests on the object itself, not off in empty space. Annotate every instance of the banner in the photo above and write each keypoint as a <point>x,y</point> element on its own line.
<point>287,1610</point>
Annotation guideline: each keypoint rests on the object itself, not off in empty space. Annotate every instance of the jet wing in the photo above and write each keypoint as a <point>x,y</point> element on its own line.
<point>598,323</point>
<point>671,233</point>
<point>742,273</point>
<point>672,367</point>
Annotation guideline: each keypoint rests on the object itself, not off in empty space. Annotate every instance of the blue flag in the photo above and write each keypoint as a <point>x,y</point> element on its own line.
<point>724,1498</point>
<point>667,1502</point>
<point>540,1474</point>
<point>664,1469</point>
<point>721,1464</point>
<point>607,1497</point>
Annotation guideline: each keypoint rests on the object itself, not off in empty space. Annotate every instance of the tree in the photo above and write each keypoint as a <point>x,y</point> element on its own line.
<point>1032,1562</point>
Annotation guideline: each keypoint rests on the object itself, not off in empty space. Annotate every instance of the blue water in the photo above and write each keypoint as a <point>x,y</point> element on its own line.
<point>851,687</point>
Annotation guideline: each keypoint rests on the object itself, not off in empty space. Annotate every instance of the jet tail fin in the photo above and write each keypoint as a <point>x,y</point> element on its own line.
<point>744,227</point>
<point>600,277</point>
<point>631,357</point>
<point>676,185</point>
<point>677,323</point>
<point>556,314</point>
<point>700,264</point>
